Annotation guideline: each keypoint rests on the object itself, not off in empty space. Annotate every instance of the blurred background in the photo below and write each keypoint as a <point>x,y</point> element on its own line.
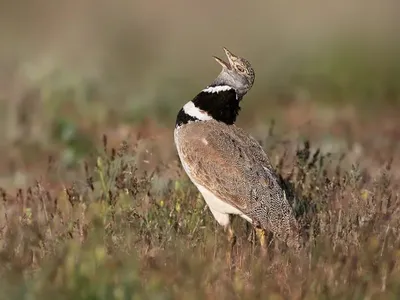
<point>71,71</point>
<point>80,220</point>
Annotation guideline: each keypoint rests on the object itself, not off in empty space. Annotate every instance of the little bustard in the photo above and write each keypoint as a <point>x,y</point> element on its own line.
<point>226,164</point>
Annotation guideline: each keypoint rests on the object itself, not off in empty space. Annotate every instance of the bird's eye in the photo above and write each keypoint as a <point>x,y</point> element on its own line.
<point>240,69</point>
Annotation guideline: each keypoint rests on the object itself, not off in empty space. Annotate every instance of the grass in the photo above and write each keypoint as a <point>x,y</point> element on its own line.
<point>112,234</point>
<point>95,205</point>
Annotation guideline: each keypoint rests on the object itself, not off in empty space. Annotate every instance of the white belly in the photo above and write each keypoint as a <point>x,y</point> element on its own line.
<point>220,209</point>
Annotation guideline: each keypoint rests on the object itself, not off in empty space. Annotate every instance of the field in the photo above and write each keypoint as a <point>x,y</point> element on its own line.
<point>94,201</point>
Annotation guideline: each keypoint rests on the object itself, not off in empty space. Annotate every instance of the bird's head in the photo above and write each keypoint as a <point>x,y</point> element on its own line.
<point>237,73</point>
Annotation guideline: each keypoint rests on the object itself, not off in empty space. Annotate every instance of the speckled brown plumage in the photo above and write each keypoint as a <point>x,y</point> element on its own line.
<point>230,163</point>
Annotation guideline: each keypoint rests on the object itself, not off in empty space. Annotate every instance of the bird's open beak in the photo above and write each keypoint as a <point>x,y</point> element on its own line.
<point>230,57</point>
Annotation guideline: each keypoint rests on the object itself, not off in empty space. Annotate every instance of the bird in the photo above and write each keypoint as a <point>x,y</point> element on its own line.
<point>226,164</point>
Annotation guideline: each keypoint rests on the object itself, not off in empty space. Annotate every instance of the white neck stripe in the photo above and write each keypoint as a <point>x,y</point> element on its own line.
<point>193,111</point>
<point>217,89</point>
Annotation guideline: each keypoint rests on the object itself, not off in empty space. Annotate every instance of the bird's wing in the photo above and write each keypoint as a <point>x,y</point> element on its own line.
<point>230,163</point>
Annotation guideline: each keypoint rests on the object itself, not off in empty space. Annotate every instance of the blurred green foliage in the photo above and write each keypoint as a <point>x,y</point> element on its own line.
<point>341,72</point>
<point>107,235</point>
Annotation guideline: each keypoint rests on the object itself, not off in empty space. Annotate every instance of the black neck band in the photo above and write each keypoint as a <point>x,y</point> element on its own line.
<point>222,106</point>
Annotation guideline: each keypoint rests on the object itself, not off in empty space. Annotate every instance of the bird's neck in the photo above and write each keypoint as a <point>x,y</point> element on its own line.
<point>216,102</point>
